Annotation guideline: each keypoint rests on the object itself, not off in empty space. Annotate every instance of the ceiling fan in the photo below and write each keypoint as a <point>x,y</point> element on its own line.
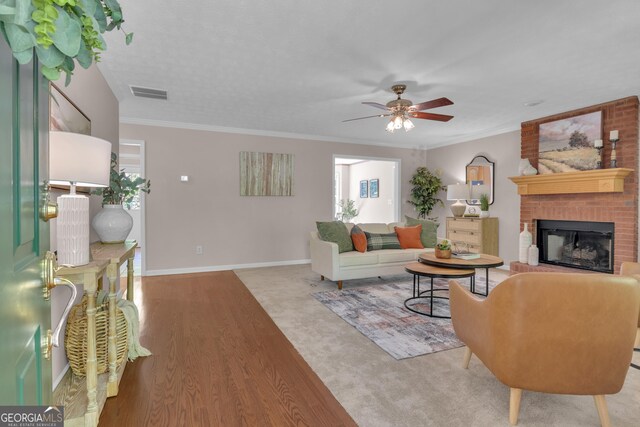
<point>402,110</point>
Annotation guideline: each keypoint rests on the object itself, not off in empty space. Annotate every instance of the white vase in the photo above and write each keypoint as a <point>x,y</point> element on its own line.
<point>113,224</point>
<point>534,254</point>
<point>484,214</point>
<point>524,164</point>
<point>525,241</point>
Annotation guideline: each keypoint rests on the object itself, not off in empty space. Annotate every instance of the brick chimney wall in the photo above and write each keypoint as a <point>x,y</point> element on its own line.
<point>619,208</point>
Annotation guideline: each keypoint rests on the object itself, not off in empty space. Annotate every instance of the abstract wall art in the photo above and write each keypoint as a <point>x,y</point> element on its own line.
<point>266,174</point>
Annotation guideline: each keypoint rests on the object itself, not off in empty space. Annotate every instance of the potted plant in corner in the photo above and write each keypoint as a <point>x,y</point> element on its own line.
<point>348,210</point>
<point>113,224</point>
<point>484,206</point>
<point>424,193</point>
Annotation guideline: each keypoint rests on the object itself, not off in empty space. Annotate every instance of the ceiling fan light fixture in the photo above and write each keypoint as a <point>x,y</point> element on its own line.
<point>408,125</point>
<point>397,122</point>
<point>390,126</point>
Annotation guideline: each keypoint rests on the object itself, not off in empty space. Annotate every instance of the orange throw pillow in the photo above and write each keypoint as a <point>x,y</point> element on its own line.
<point>409,237</point>
<point>359,239</point>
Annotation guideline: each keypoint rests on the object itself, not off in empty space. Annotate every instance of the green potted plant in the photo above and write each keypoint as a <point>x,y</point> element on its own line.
<point>113,224</point>
<point>484,205</point>
<point>348,210</point>
<point>424,192</point>
<point>443,249</point>
<point>59,32</point>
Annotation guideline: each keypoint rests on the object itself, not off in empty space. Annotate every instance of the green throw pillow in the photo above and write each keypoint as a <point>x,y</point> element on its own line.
<point>429,231</point>
<point>377,241</point>
<point>336,232</point>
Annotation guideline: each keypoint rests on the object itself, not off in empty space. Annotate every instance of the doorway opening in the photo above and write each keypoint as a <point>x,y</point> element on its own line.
<point>132,162</point>
<point>369,184</point>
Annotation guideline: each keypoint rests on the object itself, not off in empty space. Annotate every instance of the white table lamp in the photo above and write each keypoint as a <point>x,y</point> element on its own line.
<point>76,160</point>
<point>458,192</point>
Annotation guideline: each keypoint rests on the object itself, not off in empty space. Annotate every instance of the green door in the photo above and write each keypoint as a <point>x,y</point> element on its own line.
<point>25,316</point>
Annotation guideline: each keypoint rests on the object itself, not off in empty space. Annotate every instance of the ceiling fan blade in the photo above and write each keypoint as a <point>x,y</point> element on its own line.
<point>368,117</point>
<point>431,116</point>
<point>376,105</point>
<point>434,103</point>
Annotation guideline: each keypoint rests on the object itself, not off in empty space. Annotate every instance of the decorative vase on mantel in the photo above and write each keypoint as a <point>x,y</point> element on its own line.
<point>113,224</point>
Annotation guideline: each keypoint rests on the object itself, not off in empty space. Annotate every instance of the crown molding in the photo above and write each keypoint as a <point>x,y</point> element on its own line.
<point>255,132</point>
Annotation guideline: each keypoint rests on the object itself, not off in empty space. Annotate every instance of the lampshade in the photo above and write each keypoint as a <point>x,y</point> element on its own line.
<point>76,159</point>
<point>479,190</point>
<point>79,159</point>
<point>457,192</point>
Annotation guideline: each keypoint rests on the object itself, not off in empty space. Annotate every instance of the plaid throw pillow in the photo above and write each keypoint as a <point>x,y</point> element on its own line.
<point>377,241</point>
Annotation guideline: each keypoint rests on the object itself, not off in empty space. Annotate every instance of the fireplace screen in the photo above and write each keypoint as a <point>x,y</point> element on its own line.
<point>577,244</point>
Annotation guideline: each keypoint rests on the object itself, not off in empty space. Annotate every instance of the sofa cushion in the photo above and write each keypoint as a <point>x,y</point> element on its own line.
<point>359,239</point>
<point>429,231</point>
<point>377,241</point>
<point>409,237</point>
<point>352,259</point>
<point>394,255</point>
<point>373,227</point>
<point>336,232</point>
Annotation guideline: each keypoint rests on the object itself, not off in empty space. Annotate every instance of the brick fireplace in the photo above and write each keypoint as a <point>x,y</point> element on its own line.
<point>621,209</point>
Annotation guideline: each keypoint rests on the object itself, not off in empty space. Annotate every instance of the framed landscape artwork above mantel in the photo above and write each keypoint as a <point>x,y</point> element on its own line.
<point>567,145</point>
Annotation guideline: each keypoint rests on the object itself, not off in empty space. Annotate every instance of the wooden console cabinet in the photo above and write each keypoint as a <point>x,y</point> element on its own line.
<point>479,235</point>
<point>84,397</point>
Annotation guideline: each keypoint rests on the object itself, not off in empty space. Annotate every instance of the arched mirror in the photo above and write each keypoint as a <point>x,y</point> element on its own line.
<point>480,175</point>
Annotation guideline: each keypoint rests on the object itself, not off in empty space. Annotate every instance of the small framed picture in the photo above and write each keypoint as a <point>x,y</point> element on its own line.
<point>374,190</point>
<point>364,189</point>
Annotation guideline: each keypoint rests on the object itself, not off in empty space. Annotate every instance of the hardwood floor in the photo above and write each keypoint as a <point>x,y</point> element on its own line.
<point>218,360</point>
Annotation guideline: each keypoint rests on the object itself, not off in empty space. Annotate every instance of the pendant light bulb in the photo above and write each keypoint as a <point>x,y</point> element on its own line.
<point>397,122</point>
<point>408,125</point>
<point>390,126</point>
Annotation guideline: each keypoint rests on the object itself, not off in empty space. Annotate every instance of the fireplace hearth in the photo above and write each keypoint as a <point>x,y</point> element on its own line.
<point>577,244</point>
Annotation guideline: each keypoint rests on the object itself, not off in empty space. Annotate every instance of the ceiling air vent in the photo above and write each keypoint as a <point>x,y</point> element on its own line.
<point>146,92</point>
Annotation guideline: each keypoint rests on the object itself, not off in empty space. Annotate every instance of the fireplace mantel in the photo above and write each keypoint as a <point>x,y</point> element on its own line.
<point>593,181</point>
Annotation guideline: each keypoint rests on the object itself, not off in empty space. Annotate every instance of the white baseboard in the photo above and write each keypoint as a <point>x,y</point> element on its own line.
<point>206,269</point>
<point>57,380</point>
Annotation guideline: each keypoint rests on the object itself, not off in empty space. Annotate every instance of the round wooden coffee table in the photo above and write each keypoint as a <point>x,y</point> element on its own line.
<point>418,270</point>
<point>484,261</point>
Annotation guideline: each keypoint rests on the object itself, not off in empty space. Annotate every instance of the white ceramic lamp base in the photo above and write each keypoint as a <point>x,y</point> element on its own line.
<point>72,227</point>
<point>458,208</point>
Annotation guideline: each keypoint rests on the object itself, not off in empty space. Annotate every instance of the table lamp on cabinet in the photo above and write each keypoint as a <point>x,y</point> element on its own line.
<point>76,160</point>
<point>458,192</point>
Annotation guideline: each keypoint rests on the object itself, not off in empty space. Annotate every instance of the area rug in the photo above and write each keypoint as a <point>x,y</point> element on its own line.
<point>378,312</point>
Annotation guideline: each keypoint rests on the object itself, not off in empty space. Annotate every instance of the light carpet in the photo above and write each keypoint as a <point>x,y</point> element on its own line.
<point>432,390</point>
<point>379,313</point>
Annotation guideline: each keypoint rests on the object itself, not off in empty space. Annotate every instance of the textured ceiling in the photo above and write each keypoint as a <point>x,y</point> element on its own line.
<point>302,66</point>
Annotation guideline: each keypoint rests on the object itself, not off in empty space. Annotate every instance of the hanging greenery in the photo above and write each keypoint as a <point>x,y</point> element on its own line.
<point>61,31</point>
<point>424,192</point>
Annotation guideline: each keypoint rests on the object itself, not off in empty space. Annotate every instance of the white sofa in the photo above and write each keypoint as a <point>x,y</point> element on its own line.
<point>327,262</point>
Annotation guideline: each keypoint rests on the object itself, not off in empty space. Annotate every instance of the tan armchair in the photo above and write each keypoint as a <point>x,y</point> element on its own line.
<point>632,269</point>
<point>552,332</point>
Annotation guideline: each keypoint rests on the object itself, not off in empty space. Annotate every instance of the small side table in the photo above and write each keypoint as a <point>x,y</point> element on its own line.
<point>115,254</point>
<point>418,270</point>
<point>90,276</point>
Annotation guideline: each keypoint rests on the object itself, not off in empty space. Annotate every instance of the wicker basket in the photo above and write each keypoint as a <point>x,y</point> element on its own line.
<point>75,337</point>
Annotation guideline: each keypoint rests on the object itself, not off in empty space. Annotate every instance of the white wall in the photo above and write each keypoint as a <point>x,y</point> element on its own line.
<point>209,211</point>
<point>502,149</point>
<point>382,208</point>
<point>90,92</point>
